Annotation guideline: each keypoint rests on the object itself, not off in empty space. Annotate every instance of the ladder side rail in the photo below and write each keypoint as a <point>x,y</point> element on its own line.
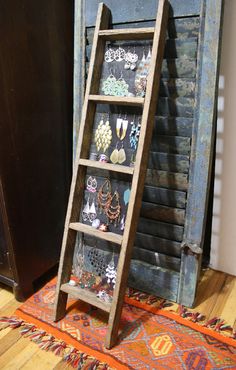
<point>135,201</point>
<point>79,172</point>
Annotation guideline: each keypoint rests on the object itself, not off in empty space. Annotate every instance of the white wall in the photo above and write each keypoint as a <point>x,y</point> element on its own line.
<point>223,246</point>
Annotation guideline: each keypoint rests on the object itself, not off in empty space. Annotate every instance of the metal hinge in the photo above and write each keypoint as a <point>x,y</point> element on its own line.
<point>193,247</point>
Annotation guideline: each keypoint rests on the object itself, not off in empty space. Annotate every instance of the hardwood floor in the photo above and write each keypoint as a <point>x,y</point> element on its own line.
<point>216,297</point>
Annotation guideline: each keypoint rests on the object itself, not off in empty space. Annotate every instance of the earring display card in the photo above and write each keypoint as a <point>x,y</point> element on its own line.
<point>105,203</point>
<point>115,135</point>
<point>125,68</point>
<point>115,139</point>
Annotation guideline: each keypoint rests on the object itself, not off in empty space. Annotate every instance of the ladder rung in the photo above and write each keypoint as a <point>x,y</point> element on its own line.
<point>86,296</point>
<point>107,166</point>
<point>128,34</point>
<point>110,237</point>
<point>118,100</point>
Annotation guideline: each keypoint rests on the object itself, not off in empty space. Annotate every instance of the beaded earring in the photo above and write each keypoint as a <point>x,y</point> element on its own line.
<point>112,210</point>
<point>104,196</point>
<point>134,134</point>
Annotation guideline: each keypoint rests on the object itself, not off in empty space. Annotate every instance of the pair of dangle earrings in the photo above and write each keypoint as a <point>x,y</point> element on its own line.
<point>115,87</point>
<point>117,55</point>
<point>118,155</point>
<point>109,204</point>
<point>121,55</point>
<point>89,212</point>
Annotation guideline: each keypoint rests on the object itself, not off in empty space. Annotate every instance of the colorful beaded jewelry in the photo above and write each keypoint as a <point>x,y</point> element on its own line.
<point>112,210</point>
<point>104,196</point>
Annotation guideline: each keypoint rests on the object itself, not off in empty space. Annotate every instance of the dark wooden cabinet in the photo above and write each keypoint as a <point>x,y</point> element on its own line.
<point>36,79</point>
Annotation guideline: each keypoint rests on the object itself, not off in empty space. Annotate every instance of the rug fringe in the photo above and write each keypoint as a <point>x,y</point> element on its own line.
<point>49,343</point>
<point>216,324</point>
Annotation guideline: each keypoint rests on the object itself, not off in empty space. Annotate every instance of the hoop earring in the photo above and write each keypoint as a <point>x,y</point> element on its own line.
<point>92,184</point>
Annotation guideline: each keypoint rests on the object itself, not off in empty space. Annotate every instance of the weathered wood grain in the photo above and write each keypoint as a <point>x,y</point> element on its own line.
<point>171,144</point>
<point>170,180</point>
<point>157,244</point>
<point>182,28</point>
<point>167,197</point>
<point>148,278</point>
<point>179,68</point>
<point>180,107</point>
<point>202,148</point>
<point>169,162</point>
<point>160,229</point>
<point>175,126</point>
<point>174,68</point>
<point>138,181</point>
<point>163,213</point>
<point>139,11</point>
<point>156,259</point>
<point>106,249</point>
<point>174,88</point>
<point>174,48</point>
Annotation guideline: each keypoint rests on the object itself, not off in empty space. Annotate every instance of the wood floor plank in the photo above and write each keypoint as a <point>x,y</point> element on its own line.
<point>5,297</point>
<point>227,304</point>
<point>209,288</point>
<point>42,360</point>
<point>24,350</point>
<point>4,332</point>
<point>9,308</point>
<point>9,341</point>
<point>10,352</point>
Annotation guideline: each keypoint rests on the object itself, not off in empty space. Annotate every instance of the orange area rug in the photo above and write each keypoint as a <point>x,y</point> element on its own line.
<point>152,335</point>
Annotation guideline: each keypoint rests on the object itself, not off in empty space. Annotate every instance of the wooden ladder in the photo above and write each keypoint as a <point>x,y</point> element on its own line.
<point>138,172</point>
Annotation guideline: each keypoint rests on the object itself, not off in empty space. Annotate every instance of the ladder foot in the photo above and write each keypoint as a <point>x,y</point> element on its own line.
<point>60,306</point>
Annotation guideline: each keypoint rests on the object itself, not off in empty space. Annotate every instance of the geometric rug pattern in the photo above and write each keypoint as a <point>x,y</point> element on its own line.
<point>147,340</point>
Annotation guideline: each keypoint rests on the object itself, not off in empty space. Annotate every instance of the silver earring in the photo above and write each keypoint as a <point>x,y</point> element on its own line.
<point>109,55</point>
<point>119,54</point>
<point>92,184</point>
<point>131,60</point>
<point>122,223</point>
<point>111,272</point>
<point>92,212</point>
<point>85,212</point>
